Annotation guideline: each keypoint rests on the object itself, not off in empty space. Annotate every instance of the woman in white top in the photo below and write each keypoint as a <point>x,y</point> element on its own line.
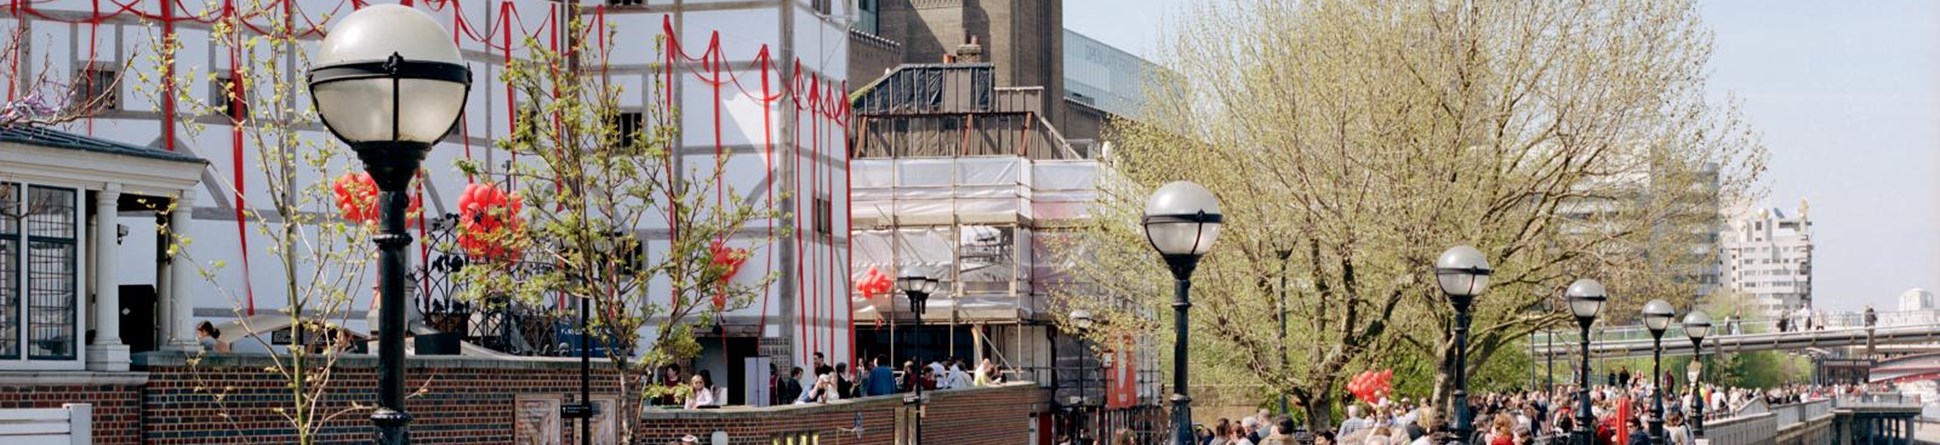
<point>824,391</point>
<point>702,396</point>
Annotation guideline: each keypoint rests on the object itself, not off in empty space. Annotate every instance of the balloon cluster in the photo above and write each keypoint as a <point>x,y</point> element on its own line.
<point>873,283</point>
<point>487,219</point>
<point>1371,386</point>
<point>356,195</point>
<point>727,258</point>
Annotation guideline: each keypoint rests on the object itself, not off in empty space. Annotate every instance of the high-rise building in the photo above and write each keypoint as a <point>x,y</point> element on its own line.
<point>1768,256</point>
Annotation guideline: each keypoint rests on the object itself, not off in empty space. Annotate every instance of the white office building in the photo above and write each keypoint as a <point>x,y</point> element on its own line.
<point>1768,256</point>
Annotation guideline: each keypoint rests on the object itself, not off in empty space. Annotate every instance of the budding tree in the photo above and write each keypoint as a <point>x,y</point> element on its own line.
<point>1351,142</point>
<point>589,182</point>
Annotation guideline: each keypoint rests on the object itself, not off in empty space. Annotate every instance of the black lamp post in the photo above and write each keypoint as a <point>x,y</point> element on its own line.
<point>1657,317</point>
<point>1182,221</point>
<point>918,289</point>
<point>388,80</point>
<point>1463,273</point>
<point>1081,321</point>
<point>1697,325</point>
<point>1586,297</point>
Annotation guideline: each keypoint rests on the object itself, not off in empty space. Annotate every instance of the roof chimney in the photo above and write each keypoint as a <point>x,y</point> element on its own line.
<point>970,52</point>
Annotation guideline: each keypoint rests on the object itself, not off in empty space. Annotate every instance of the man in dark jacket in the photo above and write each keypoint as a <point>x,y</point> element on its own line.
<point>790,387</point>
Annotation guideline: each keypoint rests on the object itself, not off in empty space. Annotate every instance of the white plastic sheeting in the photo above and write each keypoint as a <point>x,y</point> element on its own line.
<point>972,189</point>
<point>968,221</point>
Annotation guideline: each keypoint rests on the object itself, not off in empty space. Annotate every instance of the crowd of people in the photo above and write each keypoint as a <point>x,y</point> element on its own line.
<point>1621,410</point>
<point>822,382</point>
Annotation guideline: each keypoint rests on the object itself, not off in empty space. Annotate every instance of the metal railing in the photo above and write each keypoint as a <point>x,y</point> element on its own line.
<point>1796,413</point>
<point>1762,325</point>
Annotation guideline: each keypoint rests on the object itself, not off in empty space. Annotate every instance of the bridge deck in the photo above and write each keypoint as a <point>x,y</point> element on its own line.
<point>1797,340</point>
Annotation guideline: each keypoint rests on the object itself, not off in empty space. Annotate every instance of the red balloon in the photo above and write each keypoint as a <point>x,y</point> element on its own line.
<point>487,217</point>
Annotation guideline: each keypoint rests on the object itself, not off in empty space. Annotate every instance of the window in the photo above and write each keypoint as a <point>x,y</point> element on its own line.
<point>39,272</point>
<point>222,98</point>
<point>822,6</point>
<point>626,2</point>
<point>9,271</point>
<point>868,17</point>
<point>628,125</point>
<point>824,222</point>
<point>95,87</point>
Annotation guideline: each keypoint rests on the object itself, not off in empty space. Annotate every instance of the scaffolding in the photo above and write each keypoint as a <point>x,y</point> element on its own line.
<point>959,179</point>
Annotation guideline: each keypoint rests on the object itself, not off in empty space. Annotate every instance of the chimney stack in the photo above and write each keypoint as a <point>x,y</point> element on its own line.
<point>970,52</point>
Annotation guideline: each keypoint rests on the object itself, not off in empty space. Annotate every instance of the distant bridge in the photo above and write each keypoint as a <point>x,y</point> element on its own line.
<point>1841,330</point>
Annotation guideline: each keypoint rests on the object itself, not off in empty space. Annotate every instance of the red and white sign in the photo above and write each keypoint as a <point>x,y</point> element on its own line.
<point>1121,365</point>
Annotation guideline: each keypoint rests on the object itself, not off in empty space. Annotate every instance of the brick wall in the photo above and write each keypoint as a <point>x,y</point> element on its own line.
<point>116,398</point>
<point>994,416</point>
<point>231,399</point>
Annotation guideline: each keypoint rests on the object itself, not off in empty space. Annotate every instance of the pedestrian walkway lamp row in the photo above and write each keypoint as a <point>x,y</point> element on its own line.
<point>1657,317</point>
<point>1463,272</point>
<point>1082,321</point>
<point>1181,221</point>
<point>918,289</point>
<point>1697,324</point>
<point>1585,297</point>
<point>388,81</point>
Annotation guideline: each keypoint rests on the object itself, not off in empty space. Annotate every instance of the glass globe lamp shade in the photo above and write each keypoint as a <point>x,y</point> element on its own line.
<point>1463,272</point>
<point>389,73</point>
<point>1658,315</point>
<point>1586,297</point>
<point>1697,325</point>
<point>1182,218</point>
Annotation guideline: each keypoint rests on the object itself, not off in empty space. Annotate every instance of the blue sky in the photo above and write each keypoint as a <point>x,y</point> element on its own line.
<point>1845,94</point>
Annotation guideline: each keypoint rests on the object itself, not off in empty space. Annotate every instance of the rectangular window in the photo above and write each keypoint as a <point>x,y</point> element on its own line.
<point>628,125</point>
<point>10,210</point>
<point>223,97</point>
<point>824,220</point>
<point>95,87</point>
<point>868,16</point>
<point>51,231</point>
<point>822,6</point>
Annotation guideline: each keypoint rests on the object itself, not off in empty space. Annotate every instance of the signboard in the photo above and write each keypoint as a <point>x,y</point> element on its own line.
<point>535,420</point>
<point>1121,379</point>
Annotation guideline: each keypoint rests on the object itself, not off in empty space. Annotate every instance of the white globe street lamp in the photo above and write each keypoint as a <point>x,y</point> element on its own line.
<point>1697,325</point>
<point>1463,272</point>
<point>1657,317</point>
<point>1182,221</point>
<point>1585,297</point>
<point>389,82</point>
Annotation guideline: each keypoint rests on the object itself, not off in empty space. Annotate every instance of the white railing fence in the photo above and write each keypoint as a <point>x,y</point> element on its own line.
<point>71,424</point>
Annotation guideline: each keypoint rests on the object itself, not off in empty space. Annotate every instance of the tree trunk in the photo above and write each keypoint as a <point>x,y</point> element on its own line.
<point>1320,410</point>
<point>1444,389</point>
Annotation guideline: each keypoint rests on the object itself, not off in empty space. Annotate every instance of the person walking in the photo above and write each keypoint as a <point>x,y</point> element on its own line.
<point>1354,423</point>
<point>1675,431</point>
<point>881,380</point>
<point>1282,433</point>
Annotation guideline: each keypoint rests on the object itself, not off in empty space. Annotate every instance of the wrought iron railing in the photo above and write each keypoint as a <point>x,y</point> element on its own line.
<point>495,322</point>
